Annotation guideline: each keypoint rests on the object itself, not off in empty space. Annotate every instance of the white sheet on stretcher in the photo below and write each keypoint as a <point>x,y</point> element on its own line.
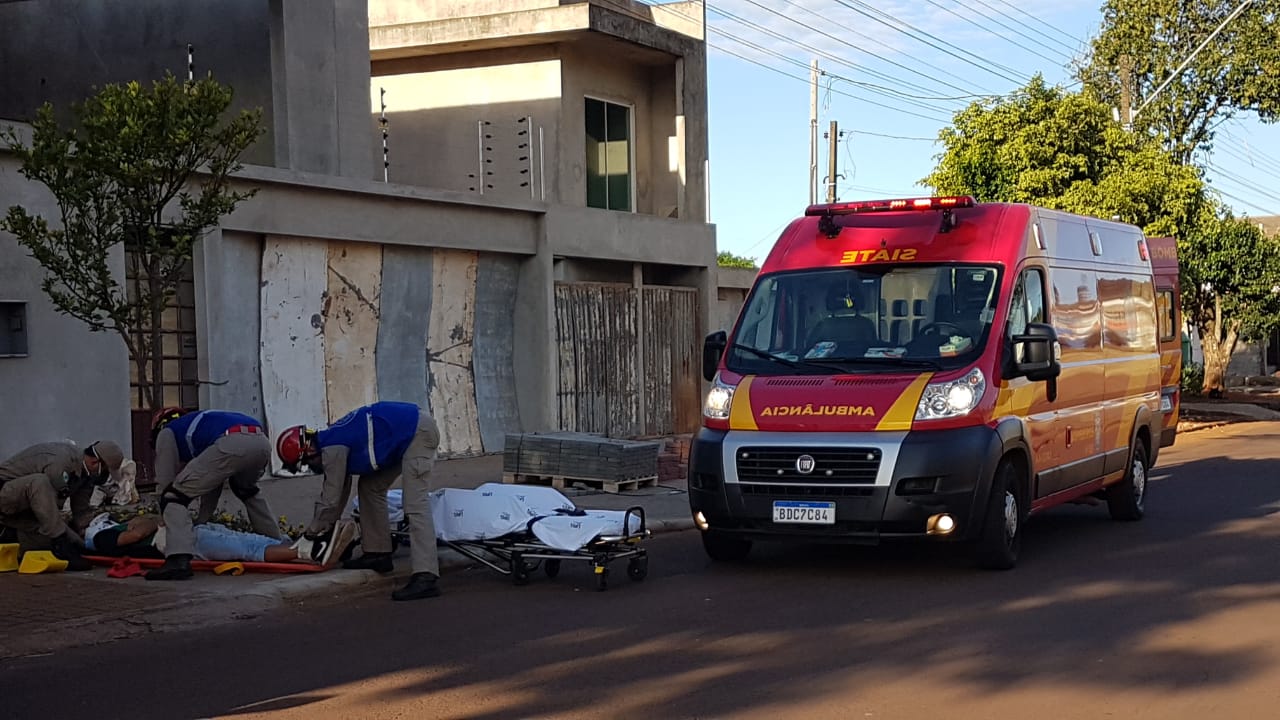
<point>496,509</point>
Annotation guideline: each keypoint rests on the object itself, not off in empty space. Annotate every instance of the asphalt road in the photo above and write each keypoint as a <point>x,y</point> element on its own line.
<point>1177,616</point>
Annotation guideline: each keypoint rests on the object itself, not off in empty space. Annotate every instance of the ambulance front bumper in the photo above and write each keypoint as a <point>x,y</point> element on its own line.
<point>841,487</point>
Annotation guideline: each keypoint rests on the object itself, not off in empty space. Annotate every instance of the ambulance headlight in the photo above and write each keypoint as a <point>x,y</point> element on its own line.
<point>719,398</point>
<point>952,398</point>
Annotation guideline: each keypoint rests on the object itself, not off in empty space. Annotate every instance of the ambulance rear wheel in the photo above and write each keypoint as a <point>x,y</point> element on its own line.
<point>1001,538</point>
<point>1126,500</point>
<point>725,548</point>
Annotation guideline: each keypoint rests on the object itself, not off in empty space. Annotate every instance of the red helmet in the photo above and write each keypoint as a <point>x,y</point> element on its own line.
<point>295,445</point>
<point>163,417</point>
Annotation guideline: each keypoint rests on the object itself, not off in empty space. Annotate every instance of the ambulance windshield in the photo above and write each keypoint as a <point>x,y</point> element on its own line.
<point>865,319</point>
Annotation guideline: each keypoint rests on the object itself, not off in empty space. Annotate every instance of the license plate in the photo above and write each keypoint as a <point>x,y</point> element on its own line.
<point>804,513</point>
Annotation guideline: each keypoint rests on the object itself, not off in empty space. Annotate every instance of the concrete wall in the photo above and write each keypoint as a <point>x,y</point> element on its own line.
<point>733,285</point>
<point>434,111</point>
<point>63,49</point>
<point>73,383</point>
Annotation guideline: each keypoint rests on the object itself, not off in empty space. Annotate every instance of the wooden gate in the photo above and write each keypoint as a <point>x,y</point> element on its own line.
<point>628,359</point>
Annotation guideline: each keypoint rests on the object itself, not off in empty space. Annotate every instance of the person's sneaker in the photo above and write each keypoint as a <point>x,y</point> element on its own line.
<point>175,567</point>
<point>317,548</point>
<point>379,562</point>
<point>345,534</point>
<point>421,585</point>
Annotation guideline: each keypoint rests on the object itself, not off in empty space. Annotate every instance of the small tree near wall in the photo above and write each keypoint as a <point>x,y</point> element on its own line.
<point>143,167</point>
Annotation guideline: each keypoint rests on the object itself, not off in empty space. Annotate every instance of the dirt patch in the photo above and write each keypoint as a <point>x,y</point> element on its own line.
<point>1192,420</point>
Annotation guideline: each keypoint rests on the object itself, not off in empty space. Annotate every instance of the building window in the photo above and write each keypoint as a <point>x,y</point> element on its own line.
<point>13,329</point>
<point>1165,316</point>
<point>609,176</point>
<point>178,372</point>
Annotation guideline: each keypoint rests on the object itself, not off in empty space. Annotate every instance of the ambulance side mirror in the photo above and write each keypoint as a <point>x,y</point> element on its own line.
<point>712,348</point>
<point>1038,352</point>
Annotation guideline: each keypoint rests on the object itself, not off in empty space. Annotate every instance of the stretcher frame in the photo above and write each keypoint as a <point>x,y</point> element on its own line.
<point>520,554</point>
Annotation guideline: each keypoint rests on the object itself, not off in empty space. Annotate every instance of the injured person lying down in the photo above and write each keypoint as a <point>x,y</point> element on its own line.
<point>144,537</point>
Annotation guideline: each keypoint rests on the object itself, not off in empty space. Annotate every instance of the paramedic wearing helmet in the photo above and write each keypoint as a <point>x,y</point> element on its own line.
<point>378,442</point>
<point>212,447</point>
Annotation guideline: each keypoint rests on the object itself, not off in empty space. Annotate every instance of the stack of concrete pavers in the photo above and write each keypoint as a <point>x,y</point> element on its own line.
<point>579,455</point>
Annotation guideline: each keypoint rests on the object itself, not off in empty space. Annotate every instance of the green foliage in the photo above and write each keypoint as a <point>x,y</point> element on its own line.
<point>143,167</point>
<point>1062,150</point>
<point>1238,70</point>
<point>728,259</point>
<point>1192,378</point>
<point>1230,279</point>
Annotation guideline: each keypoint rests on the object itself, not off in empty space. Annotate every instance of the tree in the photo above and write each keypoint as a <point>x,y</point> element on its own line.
<point>728,259</point>
<point>1062,150</point>
<point>1239,70</point>
<point>1230,276</point>
<point>143,167</point>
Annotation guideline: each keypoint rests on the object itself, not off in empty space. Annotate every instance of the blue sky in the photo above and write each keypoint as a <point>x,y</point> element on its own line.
<point>887,82</point>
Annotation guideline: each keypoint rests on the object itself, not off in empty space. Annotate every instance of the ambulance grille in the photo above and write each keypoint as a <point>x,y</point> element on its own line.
<point>831,466</point>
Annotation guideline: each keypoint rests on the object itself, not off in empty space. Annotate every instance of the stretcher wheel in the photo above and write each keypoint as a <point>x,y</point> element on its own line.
<point>638,568</point>
<point>602,578</point>
<point>551,568</point>
<point>519,572</point>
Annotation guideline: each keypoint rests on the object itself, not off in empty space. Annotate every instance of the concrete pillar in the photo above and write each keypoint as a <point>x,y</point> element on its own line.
<point>537,355</point>
<point>320,87</point>
<point>227,269</point>
<point>692,111</point>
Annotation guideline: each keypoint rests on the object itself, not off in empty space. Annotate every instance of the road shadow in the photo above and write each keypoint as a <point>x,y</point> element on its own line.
<point>1095,603</point>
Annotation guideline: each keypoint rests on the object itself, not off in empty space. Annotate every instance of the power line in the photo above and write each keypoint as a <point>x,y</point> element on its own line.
<point>872,13</point>
<point>892,137</point>
<point>879,89</point>
<point>838,92</point>
<point>987,28</point>
<point>1073,38</point>
<point>882,58</point>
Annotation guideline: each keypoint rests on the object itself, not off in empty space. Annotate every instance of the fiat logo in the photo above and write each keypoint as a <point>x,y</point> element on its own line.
<point>805,464</point>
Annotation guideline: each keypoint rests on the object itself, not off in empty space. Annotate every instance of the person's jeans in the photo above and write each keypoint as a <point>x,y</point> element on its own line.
<point>220,543</point>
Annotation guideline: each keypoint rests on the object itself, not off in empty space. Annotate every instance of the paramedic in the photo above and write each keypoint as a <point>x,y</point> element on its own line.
<point>376,442</point>
<point>34,483</point>
<point>213,447</point>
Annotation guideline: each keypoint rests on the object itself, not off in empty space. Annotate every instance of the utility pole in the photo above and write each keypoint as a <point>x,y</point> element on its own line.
<point>813,132</point>
<point>1126,92</point>
<point>833,154</point>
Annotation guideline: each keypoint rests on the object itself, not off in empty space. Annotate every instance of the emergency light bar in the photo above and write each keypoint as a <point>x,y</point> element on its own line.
<point>866,206</point>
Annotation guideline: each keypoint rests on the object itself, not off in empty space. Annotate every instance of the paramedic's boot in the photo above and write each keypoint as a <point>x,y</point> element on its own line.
<point>66,548</point>
<point>421,585</point>
<point>175,567</point>
<point>377,561</point>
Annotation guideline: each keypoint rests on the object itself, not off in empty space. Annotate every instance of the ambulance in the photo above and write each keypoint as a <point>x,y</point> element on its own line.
<point>1164,265</point>
<point>931,368</point>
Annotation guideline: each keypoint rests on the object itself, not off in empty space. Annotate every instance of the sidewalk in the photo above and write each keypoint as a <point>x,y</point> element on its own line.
<point>45,613</point>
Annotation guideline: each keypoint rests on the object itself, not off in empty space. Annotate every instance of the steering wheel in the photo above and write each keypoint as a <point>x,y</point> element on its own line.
<point>941,325</point>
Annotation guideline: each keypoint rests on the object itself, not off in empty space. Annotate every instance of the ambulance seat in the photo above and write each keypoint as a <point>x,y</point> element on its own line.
<point>898,323</point>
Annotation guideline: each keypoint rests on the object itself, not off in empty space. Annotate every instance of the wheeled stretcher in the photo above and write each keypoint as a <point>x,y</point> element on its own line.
<point>517,529</point>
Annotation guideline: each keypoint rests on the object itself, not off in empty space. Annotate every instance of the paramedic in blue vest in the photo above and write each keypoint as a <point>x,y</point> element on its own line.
<point>211,447</point>
<point>378,442</point>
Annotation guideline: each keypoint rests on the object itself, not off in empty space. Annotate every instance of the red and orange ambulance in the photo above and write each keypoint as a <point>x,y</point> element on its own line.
<point>930,367</point>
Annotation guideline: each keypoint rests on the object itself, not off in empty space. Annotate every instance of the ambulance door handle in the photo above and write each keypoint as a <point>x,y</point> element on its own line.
<point>1068,436</point>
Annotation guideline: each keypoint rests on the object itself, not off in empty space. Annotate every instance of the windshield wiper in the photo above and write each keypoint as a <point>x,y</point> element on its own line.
<point>778,358</point>
<point>909,362</point>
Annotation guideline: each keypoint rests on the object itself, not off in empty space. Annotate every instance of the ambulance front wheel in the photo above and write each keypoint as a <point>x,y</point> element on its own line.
<point>1001,537</point>
<point>725,548</point>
